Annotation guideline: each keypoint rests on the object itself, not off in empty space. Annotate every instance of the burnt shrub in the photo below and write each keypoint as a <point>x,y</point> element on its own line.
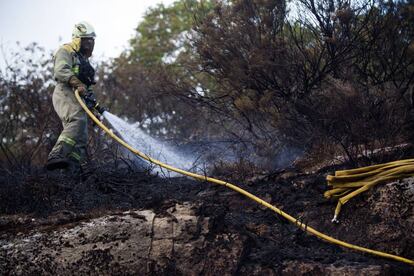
<point>335,75</point>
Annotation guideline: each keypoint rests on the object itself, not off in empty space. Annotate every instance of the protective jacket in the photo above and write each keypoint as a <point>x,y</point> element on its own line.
<point>69,62</point>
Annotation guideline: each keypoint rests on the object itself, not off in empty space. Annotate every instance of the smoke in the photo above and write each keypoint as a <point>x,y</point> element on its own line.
<point>286,156</point>
<point>154,148</point>
<point>184,158</point>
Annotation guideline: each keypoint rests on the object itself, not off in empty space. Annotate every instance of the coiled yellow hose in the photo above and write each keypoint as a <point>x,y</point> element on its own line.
<point>304,227</point>
<point>350,183</point>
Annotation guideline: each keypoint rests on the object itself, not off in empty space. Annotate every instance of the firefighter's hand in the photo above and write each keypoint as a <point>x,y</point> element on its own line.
<point>90,99</point>
<point>82,90</point>
<point>78,85</point>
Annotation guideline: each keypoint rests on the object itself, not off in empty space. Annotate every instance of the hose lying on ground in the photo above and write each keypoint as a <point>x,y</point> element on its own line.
<point>304,227</point>
<point>350,183</point>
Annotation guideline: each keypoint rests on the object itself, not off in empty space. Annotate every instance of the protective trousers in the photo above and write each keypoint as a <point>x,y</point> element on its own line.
<point>73,139</point>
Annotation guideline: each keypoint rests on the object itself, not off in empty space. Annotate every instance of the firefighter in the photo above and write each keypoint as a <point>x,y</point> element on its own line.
<point>72,71</point>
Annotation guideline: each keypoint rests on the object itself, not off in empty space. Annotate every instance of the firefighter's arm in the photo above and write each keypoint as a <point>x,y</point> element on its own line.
<point>63,71</point>
<point>63,66</point>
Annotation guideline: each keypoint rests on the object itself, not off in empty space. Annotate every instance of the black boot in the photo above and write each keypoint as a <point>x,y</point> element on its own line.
<point>57,161</point>
<point>59,157</point>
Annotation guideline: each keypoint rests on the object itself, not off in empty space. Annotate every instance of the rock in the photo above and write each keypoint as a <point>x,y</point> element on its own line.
<point>134,242</point>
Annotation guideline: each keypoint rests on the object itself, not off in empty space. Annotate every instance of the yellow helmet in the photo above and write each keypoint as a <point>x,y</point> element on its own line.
<point>83,29</point>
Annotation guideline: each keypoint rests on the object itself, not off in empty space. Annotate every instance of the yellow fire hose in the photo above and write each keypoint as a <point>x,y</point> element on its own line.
<point>304,227</point>
<point>350,183</point>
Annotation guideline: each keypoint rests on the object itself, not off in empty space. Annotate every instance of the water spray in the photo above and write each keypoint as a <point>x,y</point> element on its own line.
<point>137,138</point>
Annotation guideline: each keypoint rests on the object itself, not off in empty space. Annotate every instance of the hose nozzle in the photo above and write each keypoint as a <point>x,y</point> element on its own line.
<point>100,109</point>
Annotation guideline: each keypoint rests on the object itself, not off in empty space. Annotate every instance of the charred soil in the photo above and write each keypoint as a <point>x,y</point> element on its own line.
<point>129,222</point>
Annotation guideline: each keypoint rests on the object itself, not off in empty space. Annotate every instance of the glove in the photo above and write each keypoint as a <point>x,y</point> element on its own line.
<point>91,103</point>
<point>77,84</point>
<point>90,100</point>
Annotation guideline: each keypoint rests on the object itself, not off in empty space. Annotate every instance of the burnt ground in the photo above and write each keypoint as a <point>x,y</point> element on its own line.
<point>241,237</point>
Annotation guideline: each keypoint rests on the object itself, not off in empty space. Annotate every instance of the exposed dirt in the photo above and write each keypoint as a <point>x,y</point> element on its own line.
<point>133,223</point>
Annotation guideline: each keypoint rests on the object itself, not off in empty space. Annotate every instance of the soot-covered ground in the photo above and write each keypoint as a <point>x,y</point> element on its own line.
<point>258,240</point>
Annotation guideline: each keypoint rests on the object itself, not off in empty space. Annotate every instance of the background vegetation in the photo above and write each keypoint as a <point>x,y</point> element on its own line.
<point>270,78</point>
